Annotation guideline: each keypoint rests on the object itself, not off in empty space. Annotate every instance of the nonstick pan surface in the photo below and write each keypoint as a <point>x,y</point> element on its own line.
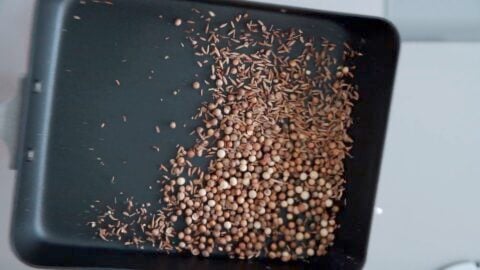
<point>66,160</point>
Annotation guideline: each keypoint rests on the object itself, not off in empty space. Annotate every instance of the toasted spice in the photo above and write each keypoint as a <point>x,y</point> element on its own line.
<point>196,85</point>
<point>275,136</point>
<point>178,22</point>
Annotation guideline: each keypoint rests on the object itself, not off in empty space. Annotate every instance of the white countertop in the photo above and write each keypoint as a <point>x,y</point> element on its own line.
<point>430,180</point>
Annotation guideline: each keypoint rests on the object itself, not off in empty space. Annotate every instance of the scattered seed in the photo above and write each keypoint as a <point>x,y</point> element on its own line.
<point>275,134</point>
<point>178,22</point>
<point>196,85</point>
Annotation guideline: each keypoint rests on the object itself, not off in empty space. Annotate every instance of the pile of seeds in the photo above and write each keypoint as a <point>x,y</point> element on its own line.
<point>134,225</point>
<point>275,135</point>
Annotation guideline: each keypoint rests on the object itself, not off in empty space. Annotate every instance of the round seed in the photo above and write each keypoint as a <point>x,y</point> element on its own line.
<point>178,22</point>
<point>181,181</point>
<point>211,203</point>
<point>221,153</point>
<point>196,85</point>
<point>233,181</point>
<point>243,167</point>
<point>328,203</point>
<point>305,195</point>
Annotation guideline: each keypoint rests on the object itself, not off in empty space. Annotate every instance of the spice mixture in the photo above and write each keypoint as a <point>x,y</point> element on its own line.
<point>275,135</point>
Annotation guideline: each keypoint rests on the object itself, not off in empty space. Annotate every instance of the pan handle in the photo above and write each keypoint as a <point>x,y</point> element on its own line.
<point>11,130</point>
